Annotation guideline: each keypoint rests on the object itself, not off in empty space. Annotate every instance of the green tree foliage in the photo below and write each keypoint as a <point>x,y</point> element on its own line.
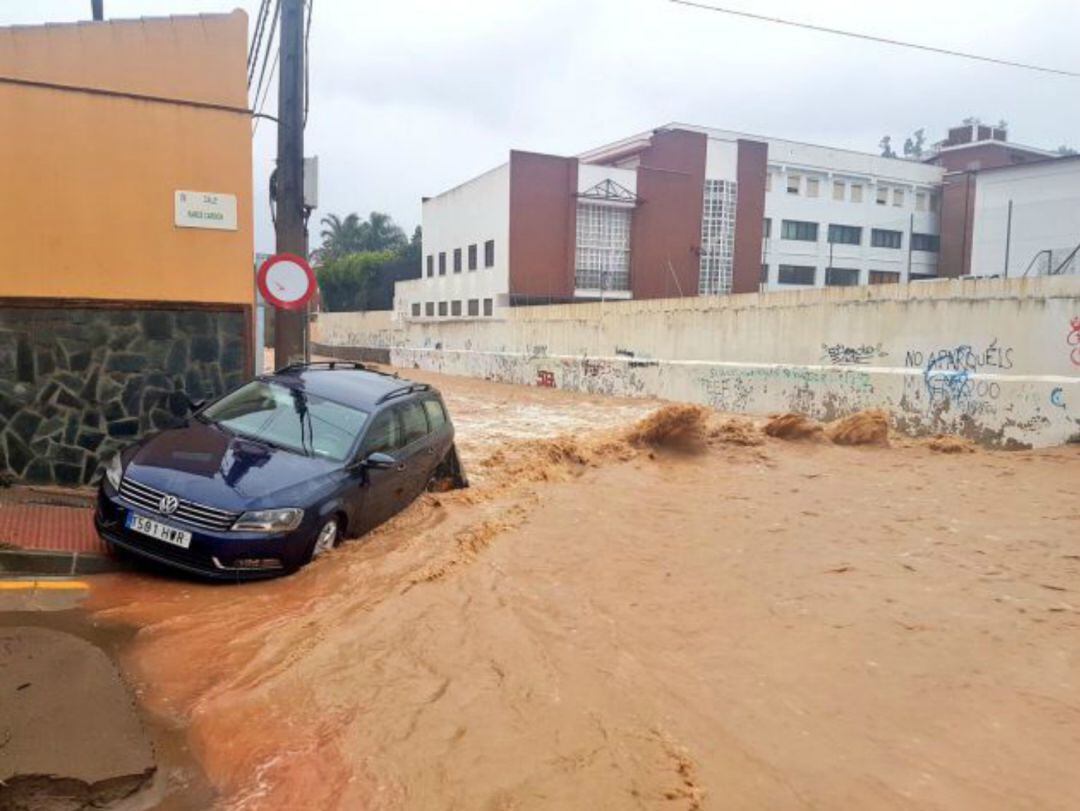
<point>346,282</point>
<point>886,147</point>
<point>344,236</point>
<point>364,279</point>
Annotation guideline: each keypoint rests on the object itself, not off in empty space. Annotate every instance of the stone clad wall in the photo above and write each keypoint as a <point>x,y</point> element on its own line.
<point>78,384</point>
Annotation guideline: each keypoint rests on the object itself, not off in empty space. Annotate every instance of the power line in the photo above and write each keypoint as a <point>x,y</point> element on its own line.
<point>872,38</point>
<point>258,110</point>
<point>269,46</point>
<point>256,40</point>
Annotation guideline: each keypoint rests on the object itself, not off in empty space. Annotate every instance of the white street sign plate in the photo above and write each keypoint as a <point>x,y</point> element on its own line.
<point>203,209</point>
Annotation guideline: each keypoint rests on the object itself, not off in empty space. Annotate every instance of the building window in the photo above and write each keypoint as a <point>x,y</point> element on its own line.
<point>921,277</point>
<point>845,235</point>
<point>897,197</point>
<point>602,255</point>
<point>472,257</point>
<point>882,196</point>
<point>841,277</point>
<point>795,274</point>
<point>766,230</point>
<point>856,192</point>
<point>813,187</point>
<point>881,238</point>
<point>442,263</point>
<point>838,190</point>
<point>488,309</point>
<point>416,309</point>
<point>792,184</point>
<point>457,260</point>
<point>474,306</point>
<point>442,308</point>
<point>429,309</point>
<point>430,265</point>
<point>489,253</point>
<point>798,230</point>
<point>884,277</point>
<point>925,242</point>
<point>455,308</point>
<point>920,201</point>
<point>717,238</point>
<point>768,181</point>
<point>764,274</point>
<point>934,202</point>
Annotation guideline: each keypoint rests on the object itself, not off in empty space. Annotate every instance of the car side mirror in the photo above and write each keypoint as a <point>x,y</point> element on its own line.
<point>378,461</point>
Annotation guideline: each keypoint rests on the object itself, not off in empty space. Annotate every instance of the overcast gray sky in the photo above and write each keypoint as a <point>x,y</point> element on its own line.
<point>411,97</point>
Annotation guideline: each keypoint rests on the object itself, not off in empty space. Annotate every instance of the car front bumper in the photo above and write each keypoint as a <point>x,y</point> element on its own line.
<point>212,555</point>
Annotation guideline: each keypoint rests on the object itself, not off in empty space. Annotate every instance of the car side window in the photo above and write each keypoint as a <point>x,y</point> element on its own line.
<point>435,414</point>
<point>413,421</point>
<point>385,435</point>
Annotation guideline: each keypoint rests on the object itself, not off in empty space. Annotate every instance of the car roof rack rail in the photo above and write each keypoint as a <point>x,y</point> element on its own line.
<point>325,364</point>
<point>404,390</point>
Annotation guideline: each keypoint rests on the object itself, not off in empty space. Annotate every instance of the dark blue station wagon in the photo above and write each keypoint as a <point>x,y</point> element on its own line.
<point>273,474</point>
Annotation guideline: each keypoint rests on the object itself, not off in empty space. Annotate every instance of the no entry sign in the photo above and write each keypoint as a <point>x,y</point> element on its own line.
<point>286,281</point>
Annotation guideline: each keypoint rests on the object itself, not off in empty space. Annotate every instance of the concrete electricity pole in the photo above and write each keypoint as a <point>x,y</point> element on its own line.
<point>290,326</point>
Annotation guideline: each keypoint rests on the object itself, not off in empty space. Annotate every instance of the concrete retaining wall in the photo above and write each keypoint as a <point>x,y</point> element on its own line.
<point>994,360</point>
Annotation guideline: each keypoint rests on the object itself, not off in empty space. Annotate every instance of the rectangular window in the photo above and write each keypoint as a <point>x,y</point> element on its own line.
<point>442,263</point>
<point>488,309</point>
<point>455,308</point>
<point>799,230</point>
<point>796,274</point>
<point>845,234</point>
<point>921,277</point>
<point>884,277</point>
<point>472,256</point>
<point>768,181</point>
<point>856,192</point>
<point>792,184</point>
<point>602,256</point>
<point>767,230</point>
<point>934,201</point>
<point>416,309</point>
<point>764,274</point>
<point>920,201</point>
<point>442,308</point>
<point>898,197</point>
<point>429,309</point>
<point>457,260</point>
<point>925,242</point>
<point>881,238</point>
<point>489,253</point>
<point>430,265</point>
<point>474,306</point>
<point>882,196</point>
<point>838,190</point>
<point>813,187</point>
<point>717,258</point>
<point>841,277</point>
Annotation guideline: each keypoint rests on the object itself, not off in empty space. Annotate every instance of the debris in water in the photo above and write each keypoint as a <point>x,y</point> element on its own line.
<point>793,426</point>
<point>680,424</point>
<point>946,443</point>
<point>736,431</point>
<point>869,427</point>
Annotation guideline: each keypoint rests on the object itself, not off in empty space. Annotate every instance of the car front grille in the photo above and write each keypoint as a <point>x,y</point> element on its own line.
<point>198,515</point>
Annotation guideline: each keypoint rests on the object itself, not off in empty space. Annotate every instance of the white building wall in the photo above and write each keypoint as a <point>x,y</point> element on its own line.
<point>469,214</point>
<point>1045,216</point>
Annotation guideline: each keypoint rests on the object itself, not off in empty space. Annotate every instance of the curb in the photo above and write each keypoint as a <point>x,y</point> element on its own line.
<point>49,563</point>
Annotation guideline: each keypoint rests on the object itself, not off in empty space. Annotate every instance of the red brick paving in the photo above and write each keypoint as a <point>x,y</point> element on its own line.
<point>42,526</point>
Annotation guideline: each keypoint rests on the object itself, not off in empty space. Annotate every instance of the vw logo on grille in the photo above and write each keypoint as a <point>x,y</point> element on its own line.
<point>168,504</point>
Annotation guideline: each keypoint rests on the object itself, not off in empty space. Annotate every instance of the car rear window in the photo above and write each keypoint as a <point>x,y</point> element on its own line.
<point>414,421</point>
<point>435,414</point>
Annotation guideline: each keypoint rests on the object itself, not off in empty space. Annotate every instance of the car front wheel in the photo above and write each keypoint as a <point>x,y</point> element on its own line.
<point>326,539</point>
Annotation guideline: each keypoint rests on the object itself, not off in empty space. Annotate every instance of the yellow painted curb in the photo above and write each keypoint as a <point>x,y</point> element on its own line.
<point>43,585</point>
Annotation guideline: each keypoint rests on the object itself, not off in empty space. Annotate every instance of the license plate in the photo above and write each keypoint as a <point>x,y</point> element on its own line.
<point>155,529</point>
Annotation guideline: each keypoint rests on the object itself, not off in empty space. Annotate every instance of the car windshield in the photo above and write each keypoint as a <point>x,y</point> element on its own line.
<point>288,418</point>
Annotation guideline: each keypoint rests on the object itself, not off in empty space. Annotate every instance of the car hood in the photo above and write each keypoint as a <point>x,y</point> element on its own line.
<point>205,464</point>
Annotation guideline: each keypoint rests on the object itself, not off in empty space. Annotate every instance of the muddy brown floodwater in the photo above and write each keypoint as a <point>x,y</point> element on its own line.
<point>738,622</point>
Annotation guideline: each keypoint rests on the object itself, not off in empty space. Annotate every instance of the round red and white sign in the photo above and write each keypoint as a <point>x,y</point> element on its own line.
<point>286,281</point>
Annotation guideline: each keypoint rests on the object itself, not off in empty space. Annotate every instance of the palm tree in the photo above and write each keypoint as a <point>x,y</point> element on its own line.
<point>340,237</point>
<point>380,233</point>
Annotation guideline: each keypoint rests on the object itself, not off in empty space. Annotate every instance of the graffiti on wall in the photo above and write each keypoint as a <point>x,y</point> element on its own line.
<point>545,379</point>
<point>1073,340</point>
<point>1057,397</point>
<point>844,355</point>
<point>951,375</point>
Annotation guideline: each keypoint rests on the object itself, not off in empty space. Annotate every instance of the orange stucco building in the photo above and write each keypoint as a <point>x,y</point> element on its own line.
<point>125,215</point>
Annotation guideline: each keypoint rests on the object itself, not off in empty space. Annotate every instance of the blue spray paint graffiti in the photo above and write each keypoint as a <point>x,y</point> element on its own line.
<point>1057,397</point>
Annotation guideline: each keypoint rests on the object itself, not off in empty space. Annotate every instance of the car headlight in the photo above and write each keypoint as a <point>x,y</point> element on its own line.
<point>114,471</point>
<point>269,520</point>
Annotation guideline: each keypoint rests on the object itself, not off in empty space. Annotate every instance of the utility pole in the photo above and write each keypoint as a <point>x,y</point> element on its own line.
<point>96,10</point>
<point>290,326</point>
